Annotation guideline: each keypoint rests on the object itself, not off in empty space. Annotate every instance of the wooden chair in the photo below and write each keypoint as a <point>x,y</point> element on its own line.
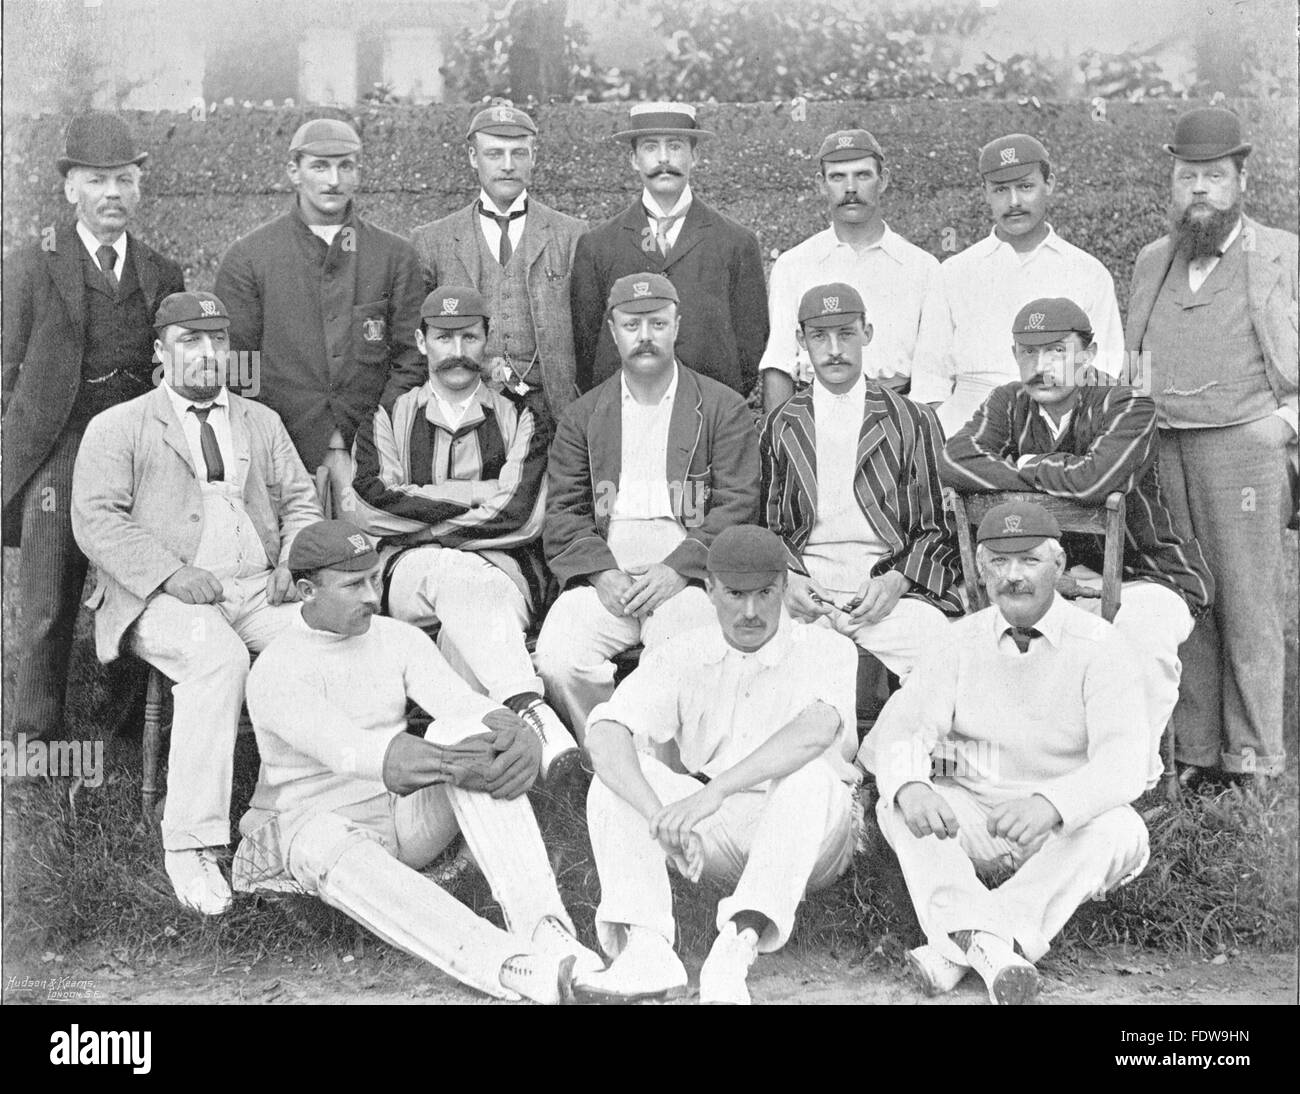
<point>1106,520</point>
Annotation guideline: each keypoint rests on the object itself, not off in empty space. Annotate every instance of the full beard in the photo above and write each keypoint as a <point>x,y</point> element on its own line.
<point>1203,235</point>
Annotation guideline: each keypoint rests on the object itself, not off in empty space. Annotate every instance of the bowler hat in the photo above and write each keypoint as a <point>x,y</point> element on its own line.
<point>1209,133</point>
<point>97,139</point>
<point>662,120</point>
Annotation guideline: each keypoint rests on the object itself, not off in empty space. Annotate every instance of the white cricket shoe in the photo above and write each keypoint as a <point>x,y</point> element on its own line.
<point>197,879</point>
<point>557,742</point>
<point>722,976</point>
<point>934,973</point>
<point>545,978</point>
<point>552,936</point>
<point>646,969</point>
<point>1011,979</point>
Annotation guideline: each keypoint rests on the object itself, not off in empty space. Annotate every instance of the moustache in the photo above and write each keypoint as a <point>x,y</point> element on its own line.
<point>448,364</point>
<point>664,171</point>
<point>837,360</point>
<point>645,349</point>
<point>853,201</point>
<point>1014,588</point>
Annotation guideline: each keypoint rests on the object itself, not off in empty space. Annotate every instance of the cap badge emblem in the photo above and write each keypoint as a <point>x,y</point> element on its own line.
<point>640,288</point>
<point>830,303</point>
<point>503,114</point>
<point>359,544</point>
<point>372,330</point>
<point>1036,320</point>
<point>1008,155</point>
<point>208,307</point>
<point>1011,525</point>
<point>450,304</point>
<point>843,142</point>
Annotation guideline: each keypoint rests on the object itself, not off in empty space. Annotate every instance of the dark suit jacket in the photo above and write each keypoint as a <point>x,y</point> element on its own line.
<point>449,253</point>
<point>712,475</point>
<point>335,327</point>
<point>896,486</point>
<point>44,334</point>
<point>717,269</point>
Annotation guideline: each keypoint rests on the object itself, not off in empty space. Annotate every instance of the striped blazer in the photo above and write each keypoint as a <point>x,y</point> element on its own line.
<point>896,484</point>
<point>1109,444</point>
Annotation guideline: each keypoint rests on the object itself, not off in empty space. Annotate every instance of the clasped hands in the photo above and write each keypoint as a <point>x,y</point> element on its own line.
<point>638,590</point>
<point>502,762</point>
<point>195,585</point>
<point>674,827</point>
<point>1021,820</point>
<point>876,597</point>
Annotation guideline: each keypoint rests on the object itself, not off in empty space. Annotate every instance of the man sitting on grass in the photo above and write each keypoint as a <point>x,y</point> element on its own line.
<point>350,805</point>
<point>1036,707</point>
<point>762,710</point>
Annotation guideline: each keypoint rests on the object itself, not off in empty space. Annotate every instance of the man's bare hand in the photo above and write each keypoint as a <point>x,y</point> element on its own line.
<point>801,602</point>
<point>194,585</point>
<point>687,860</point>
<point>611,586</point>
<point>280,588</point>
<point>879,596</point>
<point>676,821</point>
<point>1023,820</point>
<point>925,812</point>
<point>651,586</point>
<point>519,755</point>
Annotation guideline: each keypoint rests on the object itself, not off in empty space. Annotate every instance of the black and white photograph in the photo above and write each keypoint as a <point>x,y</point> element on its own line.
<point>651,502</point>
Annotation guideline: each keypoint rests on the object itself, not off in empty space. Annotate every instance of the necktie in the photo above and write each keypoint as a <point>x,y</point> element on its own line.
<point>1022,636</point>
<point>503,222</point>
<point>208,442</point>
<point>108,262</point>
<point>662,227</point>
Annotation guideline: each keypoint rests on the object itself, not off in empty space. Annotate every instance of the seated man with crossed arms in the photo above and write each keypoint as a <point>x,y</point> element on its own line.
<point>762,712</point>
<point>454,475</point>
<point>1036,708</point>
<point>349,805</point>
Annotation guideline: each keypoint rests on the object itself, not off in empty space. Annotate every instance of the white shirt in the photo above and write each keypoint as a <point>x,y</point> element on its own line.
<point>229,546</point>
<point>642,527</point>
<point>327,232</point>
<point>842,545</point>
<point>92,245</point>
<point>964,348</point>
<point>893,277</point>
<point>489,227</point>
<point>453,413</point>
<point>1201,268</point>
<point>720,704</point>
<point>678,211</point>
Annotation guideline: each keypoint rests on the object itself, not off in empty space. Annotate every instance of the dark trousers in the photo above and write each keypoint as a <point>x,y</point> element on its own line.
<point>51,576</point>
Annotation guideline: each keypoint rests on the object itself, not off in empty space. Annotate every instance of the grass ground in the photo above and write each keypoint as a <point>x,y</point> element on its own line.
<point>81,869</point>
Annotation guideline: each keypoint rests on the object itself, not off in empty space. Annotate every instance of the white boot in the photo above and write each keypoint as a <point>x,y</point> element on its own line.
<point>722,976</point>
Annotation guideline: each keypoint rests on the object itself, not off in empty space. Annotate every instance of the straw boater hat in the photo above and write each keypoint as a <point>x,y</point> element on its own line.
<point>662,120</point>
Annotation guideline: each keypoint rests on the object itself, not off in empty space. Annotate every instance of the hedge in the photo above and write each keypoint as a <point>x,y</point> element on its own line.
<point>207,182</point>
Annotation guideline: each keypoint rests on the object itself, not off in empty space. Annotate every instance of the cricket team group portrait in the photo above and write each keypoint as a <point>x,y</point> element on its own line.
<point>664,546</point>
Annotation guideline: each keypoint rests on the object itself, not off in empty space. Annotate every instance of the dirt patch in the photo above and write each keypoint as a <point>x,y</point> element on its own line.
<point>378,976</point>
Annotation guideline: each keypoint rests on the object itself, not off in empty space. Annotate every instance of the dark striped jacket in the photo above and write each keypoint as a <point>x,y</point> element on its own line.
<point>896,484</point>
<point>1109,444</point>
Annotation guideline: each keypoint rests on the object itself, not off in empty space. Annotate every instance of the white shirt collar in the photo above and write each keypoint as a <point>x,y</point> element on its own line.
<point>652,206</point>
<point>515,206</point>
<point>668,397</point>
<point>182,404</point>
<point>888,242</point>
<point>855,396</point>
<point>92,245</point>
<point>1056,428</point>
<point>1050,626</point>
<point>453,413</point>
<point>715,648</point>
<point>1051,241</point>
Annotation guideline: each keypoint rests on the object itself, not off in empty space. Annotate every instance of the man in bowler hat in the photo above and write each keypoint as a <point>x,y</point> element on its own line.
<point>79,305</point>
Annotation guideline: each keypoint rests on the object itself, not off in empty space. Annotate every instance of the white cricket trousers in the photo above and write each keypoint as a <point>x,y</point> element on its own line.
<point>898,639</point>
<point>1030,907</point>
<point>362,859</point>
<point>777,843</point>
<point>1156,621</point>
<point>483,615</point>
<point>579,637</point>
<point>204,648</point>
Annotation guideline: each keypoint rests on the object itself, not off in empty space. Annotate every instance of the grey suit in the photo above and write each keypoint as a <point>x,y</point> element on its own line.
<point>450,255</point>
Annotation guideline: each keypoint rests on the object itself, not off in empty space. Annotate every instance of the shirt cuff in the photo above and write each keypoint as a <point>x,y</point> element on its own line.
<point>1288,414</point>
